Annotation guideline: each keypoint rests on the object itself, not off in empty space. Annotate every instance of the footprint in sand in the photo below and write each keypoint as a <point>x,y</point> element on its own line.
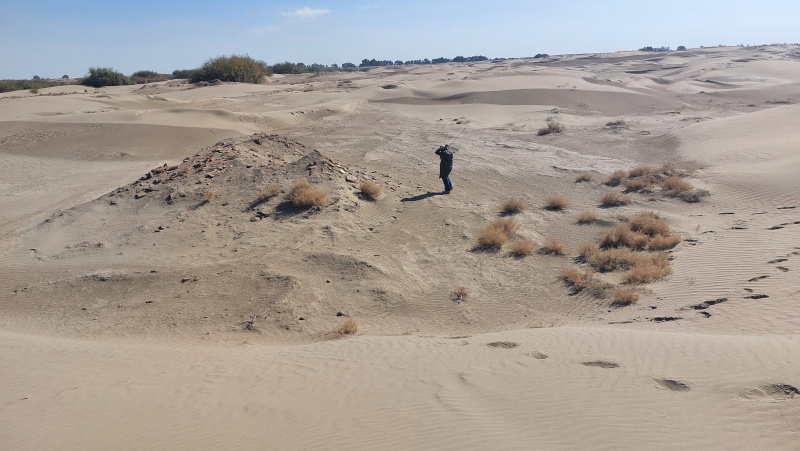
<point>777,392</point>
<point>601,364</point>
<point>671,384</point>
<point>503,344</point>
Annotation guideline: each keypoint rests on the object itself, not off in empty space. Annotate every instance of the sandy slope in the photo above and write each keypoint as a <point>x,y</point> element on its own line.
<point>124,299</point>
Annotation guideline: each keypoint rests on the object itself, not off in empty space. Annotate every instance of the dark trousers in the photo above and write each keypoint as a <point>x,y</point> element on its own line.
<point>448,186</point>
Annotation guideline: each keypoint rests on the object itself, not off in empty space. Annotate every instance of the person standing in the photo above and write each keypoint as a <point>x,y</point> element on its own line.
<point>445,166</point>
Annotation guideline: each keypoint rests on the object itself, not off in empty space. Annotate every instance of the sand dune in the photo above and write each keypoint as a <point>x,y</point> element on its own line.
<point>157,292</point>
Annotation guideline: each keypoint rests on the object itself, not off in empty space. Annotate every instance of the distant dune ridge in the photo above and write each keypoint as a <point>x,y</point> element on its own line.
<point>200,267</point>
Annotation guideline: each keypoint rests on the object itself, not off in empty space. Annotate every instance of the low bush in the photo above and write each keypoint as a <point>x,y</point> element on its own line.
<point>611,259</point>
<point>303,195</point>
<point>348,327</point>
<point>370,189</point>
<point>626,296</point>
<point>269,192</point>
<point>676,185</point>
<point>662,243</point>
<point>583,178</point>
<point>459,294</point>
<point>556,203</point>
<point>23,85</point>
<point>149,76</point>
<point>521,247</point>
<point>642,171</point>
<point>237,68</point>
<point>616,178</point>
<point>496,234</point>
<point>552,127</point>
<point>105,76</point>
<point>183,73</point>
<point>694,195</point>
<point>619,123</point>
<point>614,199</point>
<point>649,223</point>
<point>513,206</point>
<point>553,246</point>
<point>643,184</point>
<point>587,217</point>
<point>647,270</point>
<point>576,278</point>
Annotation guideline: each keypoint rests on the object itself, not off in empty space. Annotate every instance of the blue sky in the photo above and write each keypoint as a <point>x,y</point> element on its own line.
<point>54,38</point>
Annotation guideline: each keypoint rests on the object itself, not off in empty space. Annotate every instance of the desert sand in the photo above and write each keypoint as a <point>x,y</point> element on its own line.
<point>154,295</point>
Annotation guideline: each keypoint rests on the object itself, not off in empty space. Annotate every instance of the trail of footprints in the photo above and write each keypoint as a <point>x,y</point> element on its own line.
<point>778,391</point>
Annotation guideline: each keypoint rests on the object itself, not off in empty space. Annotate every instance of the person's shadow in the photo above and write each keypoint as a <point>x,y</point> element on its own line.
<point>420,197</point>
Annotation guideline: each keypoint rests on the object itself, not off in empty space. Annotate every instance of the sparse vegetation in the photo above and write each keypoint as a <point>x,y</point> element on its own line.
<point>642,184</point>
<point>149,76</point>
<point>237,68</point>
<point>496,234</point>
<point>619,123</point>
<point>521,247</point>
<point>459,294</point>
<point>576,278</point>
<point>662,243</point>
<point>553,246</point>
<point>616,178</point>
<point>348,327</point>
<point>676,185</point>
<point>304,195</point>
<point>640,171</point>
<point>694,195</point>
<point>370,189</point>
<point>647,270</point>
<point>552,127</point>
<point>587,217</point>
<point>21,85</point>
<point>626,296</point>
<point>556,203</point>
<point>208,196</point>
<point>583,178</point>
<point>105,76</point>
<point>513,206</point>
<point>269,192</point>
<point>614,199</point>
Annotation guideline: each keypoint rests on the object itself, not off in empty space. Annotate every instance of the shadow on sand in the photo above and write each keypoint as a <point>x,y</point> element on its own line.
<point>421,196</point>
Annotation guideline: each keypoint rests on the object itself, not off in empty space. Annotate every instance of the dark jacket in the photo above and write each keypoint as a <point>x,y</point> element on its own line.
<point>446,161</point>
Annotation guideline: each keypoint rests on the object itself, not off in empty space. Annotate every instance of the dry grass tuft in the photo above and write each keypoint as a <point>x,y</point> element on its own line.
<point>648,269</point>
<point>614,199</point>
<point>521,247</point>
<point>303,195</point>
<point>610,259</point>
<point>616,178</point>
<point>348,327</point>
<point>675,185</point>
<point>587,217</point>
<point>552,127</point>
<point>513,206</point>
<point>556,203</point>
<point>269,192</point>
<point>370,189</point>
<point>619,123</point>
<point>694,195</point>
<point>626,296</point>
<point>459,294</point>
<point>662,243</point>
<point>553,246</point>
<point>649,223</point>
<point>583,178</point>
<point>643,184</point>
<point>496,234</point>
<point>209,195</point>
<point>642,171</point>
<point>576,278</point>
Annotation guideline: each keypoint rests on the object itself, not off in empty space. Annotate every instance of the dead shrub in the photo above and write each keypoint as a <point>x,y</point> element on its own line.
<point>556,203</point>
<point>269,192</point>
<point>348,327</point>
<point>459,294</point>
<point>614,199</point>
<point>496,234</point>
<point>587,217</point>
<point>643,184</point>
<point>513,206</point>
<point>626,296</point>
<point>370,189</point>
<point>303,195</point>
<point>616,178</point>
<point>694,195</point>
<point>664,242</point>
<point>208,196</point>
<point>642,171</point>
<point>586,251</point>
<point>676,185</point>
<point>576,278</point>
<point>649,223</point>
<point>623,236</point>
<point>619,123</point>
<point>521,247</point>
<point>552,127</point>
<point>583,178</point>
<point>648,269</point>
<point>553,246</point>
<point>613,259</point>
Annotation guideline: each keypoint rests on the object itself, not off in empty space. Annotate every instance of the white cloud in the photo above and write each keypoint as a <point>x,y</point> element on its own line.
<point>306,13</point>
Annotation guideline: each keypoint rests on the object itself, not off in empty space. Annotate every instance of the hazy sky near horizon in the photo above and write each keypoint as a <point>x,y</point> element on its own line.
<point>54,38</point>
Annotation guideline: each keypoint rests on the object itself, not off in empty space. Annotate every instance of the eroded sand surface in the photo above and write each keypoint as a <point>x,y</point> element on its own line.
<point>148,299</point>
